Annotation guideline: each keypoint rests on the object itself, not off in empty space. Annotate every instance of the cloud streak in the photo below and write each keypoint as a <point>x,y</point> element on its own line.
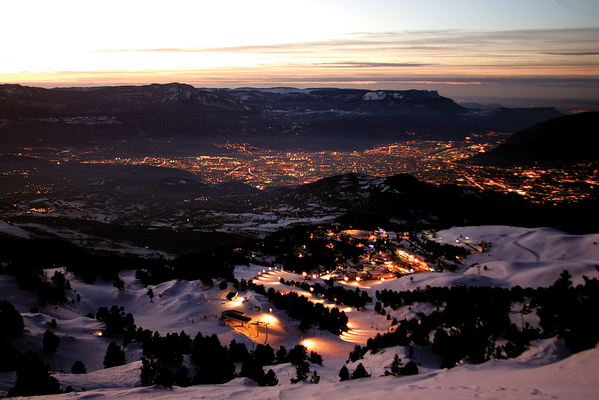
<point>588,53</point>
<point>406,40</point>
<point>351,64</point>
<point>546,52</point>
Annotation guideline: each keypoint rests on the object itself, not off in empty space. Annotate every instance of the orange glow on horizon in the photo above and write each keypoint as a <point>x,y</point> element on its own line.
<point>480,50</point>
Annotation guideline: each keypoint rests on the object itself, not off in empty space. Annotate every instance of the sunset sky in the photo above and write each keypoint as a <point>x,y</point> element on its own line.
<point>475,50</point>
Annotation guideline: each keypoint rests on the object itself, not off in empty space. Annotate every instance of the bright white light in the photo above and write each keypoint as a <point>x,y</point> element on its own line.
<point>270,319</point>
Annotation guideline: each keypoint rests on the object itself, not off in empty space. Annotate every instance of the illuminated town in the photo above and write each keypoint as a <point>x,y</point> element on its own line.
<point>435,162</point>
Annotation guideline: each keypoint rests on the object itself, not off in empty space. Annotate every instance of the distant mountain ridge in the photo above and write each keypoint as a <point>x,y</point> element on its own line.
<point>84,115</point>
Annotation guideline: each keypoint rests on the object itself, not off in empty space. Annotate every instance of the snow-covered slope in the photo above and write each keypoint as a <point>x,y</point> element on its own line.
<point>526,257</point>
<point>518,256</point>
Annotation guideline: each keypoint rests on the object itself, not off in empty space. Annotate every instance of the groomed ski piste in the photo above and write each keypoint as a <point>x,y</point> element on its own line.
<point>518,256</point>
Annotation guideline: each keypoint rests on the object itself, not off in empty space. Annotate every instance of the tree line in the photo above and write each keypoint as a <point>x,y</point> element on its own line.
<point>474,319</point>
<point>308,313</point>
<point>338,294</point>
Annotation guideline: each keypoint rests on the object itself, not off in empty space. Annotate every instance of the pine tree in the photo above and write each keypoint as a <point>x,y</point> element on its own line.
<point>264,354</point>
<point>114,356</point>
<point>148,371</point>
<point>297,354</point>
<point>11,321</point>
<point>50,342</point>
<point>119,284</point>
<point>246,367</point>
<point>252,369</point>
<point>356,354</point>
<point>270,379</point>
<point>395,367</point>
<point>164,376</point>
<point>360,372</point>
<point>78,368</point>
<point>315,358</point>
<point>315,377</point>
<point>410,369</point>
<point>182,377</point>
<point>344,374</point>
<point>301,371</point>
<point>33,378</point>
<point>237,351</point>
<point>281,356</point>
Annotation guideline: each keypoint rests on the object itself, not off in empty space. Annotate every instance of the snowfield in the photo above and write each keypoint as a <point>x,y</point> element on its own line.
<point>517,256</point>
